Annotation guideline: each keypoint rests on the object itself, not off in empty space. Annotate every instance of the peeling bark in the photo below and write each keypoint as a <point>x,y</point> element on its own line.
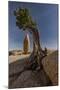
<point>37,53</point>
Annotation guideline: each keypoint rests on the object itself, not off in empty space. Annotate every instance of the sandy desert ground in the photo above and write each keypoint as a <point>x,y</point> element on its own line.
<point>13,58</point>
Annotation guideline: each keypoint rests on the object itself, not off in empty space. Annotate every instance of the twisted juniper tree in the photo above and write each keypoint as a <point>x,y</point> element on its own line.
<point>25,22</point>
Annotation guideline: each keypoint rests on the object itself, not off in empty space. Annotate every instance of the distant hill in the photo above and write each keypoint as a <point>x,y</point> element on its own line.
<point>16,52</point>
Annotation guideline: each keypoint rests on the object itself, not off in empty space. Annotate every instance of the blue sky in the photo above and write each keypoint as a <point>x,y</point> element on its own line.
<point>46,17</point>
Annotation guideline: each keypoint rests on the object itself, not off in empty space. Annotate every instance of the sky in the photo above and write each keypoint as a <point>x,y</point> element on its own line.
<point>46,17</point>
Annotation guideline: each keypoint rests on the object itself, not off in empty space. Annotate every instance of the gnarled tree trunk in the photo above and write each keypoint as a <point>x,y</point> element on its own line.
<point>37,53</point>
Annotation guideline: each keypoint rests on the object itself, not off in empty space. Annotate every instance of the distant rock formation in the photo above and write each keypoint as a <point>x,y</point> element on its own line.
<point>26,44</point>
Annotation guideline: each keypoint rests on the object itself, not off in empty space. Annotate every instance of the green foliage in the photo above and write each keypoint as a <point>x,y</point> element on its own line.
<point>23,19</point>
